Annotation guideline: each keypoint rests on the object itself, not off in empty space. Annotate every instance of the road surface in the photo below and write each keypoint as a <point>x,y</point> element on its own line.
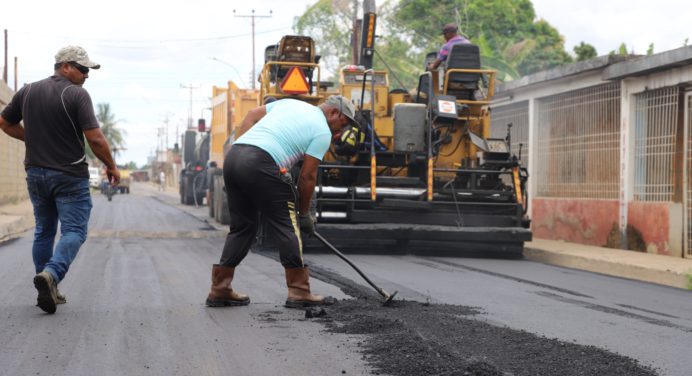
<point>136,292</point>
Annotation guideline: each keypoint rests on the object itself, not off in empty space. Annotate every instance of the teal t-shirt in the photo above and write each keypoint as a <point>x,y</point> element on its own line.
<point>290,130</point>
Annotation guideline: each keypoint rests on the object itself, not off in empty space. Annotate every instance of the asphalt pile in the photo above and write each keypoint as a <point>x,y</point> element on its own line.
<point>413,338</point>
<point>407,338</point>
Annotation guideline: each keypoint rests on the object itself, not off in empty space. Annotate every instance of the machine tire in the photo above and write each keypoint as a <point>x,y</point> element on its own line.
<point>188,198</point>
<point>210,203</point>
<point>216,199</point>
<point>224,215</point>
<point>212,172</point>
<point>220,202</point>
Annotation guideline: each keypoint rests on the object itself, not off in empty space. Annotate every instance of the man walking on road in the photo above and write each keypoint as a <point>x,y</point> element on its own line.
<point>58,115</point>
<point>273,138</point>
<point>162,181</point>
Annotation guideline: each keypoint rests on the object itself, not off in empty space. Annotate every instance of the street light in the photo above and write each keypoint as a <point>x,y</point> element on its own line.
<point>234,69</point>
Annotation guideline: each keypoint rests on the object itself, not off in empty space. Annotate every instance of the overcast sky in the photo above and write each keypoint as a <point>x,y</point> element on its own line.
<point>150,49</point>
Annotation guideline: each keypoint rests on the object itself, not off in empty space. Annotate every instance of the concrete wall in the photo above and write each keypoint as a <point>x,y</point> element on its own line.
<point>653,227</point>
<point>12,175</point>
<point>659,224</point>
<point>581,221</point>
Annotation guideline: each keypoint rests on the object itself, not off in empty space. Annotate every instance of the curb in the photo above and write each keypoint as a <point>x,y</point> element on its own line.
<point>664,277</point>
<point>12,226</point>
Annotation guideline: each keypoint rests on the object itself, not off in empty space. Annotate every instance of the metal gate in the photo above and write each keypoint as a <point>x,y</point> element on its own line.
<point>688,176</point>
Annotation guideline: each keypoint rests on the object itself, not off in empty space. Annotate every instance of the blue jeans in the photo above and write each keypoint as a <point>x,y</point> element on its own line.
<point>57,196</point>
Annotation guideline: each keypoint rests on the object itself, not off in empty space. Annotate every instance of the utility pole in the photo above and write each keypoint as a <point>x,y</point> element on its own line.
<point>165,121</point>
<point>253,16</point>
<point>15,74</point>
<point>189,117</point>
<point>355,26</point>
<point>4,71</point>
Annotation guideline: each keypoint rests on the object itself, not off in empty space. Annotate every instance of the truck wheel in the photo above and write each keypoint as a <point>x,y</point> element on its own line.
<point>217,199</point>
<point>221,201</point>
<point>188,198</point>
<point>210,201</point>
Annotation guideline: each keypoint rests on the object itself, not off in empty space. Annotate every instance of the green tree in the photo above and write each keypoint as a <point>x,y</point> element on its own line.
<point>504,29</point>
<point>109,126</point>
<point>330,27</point>
<point>510,39</point>
<point>585,51</point>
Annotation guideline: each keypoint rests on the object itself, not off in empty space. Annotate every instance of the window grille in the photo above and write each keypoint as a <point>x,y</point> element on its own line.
<point>578,145</point>
<point>655,125</point>
<point>518,115</point>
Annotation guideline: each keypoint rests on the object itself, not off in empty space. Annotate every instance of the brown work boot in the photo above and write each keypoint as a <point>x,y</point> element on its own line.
<point>299,296</point>
<point>221,294</point>
<point>47,292</point>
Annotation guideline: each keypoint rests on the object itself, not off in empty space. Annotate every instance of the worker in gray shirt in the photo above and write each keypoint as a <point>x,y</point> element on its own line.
<point>57,116</point>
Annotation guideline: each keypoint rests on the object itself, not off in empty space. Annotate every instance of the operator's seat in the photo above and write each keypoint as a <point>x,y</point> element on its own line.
<point>463,85</point>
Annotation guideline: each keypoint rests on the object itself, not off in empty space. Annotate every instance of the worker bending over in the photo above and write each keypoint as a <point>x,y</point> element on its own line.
<point>273,138</point>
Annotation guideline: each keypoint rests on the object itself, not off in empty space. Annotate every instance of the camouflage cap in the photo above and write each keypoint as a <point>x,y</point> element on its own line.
<point>76,54</point>
<point>345,106</point>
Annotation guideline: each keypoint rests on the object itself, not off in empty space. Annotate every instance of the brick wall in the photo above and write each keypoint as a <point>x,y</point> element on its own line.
<point>12,175</point>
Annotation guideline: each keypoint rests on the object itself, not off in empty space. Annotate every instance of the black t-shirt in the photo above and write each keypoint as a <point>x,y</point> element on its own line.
<point>55,114</point>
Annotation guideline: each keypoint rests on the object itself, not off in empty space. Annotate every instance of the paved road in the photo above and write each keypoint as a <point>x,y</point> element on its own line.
<point>647,322</point>
<point>136,291</point>
<point>135,306</point>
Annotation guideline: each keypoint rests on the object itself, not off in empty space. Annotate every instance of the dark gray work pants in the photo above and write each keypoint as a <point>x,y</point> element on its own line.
<point>254,185</point>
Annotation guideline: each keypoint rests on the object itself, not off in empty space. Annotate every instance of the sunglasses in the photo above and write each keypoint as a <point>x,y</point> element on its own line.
<point>82,69</point>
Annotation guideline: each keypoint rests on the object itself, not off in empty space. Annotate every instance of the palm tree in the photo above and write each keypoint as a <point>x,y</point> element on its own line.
<point>109,126</point>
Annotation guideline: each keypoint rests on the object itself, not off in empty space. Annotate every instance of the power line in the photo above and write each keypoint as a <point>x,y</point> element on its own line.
<point>253,16</point>
<point>140,41</point>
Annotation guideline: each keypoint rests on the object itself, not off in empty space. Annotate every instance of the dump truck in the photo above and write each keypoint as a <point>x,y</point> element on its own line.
<point>229,105</point>
<point>421,172</point>
<point>195,155</point>
<point>124,184</point>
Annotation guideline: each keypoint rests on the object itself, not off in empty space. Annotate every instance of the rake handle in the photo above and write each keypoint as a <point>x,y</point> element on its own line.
<point>343,257</point>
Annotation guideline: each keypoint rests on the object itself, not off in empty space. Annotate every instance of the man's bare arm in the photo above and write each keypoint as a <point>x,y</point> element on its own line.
<point>99,145</point>
<point>252,117</point>
<point>13,130</point>
<point>306,182</point>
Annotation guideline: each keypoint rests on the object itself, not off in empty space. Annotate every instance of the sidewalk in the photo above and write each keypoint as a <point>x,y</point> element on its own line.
<point>663,270</point>
<point>15,219</point>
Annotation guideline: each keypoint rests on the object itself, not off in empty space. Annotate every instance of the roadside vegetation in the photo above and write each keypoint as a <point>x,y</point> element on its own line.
<point>113,133</point>
<point>512,40</point>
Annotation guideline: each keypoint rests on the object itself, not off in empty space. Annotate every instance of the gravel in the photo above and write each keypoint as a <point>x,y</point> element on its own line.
<point>411,338</point>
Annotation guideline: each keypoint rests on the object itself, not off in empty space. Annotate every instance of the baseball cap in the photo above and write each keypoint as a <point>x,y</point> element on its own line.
<point>449,28</point>
<point>344,105</point>
<point>76,54</point>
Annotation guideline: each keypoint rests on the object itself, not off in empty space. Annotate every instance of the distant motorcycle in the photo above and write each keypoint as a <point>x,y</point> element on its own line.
<point>107,189</point>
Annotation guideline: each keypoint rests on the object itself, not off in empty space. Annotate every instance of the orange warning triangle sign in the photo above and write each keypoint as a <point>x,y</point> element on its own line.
<point>295,82</point>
